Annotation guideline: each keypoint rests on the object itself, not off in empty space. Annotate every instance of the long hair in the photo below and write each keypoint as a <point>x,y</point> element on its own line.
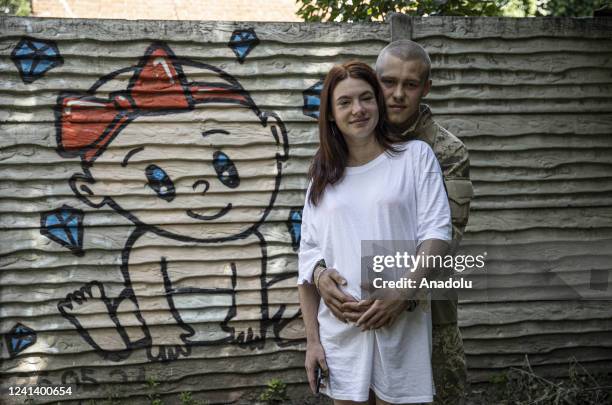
<point>331,158</point>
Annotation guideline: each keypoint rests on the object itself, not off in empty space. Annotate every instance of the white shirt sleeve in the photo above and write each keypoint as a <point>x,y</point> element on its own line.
<point>434,219</point>
<point>309,253</point>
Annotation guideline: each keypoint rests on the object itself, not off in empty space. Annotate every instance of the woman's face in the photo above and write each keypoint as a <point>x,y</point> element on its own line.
<point>354,109</point>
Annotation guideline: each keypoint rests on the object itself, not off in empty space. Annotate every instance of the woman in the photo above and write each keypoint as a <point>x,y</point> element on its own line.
<point>363,186</point>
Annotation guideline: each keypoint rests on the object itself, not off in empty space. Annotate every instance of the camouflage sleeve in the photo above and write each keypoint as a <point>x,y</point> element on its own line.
<point>454,161</point>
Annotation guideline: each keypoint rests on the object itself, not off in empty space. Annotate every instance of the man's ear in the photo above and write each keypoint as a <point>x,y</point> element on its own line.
<point>427,87</point>
<point>279,132</point>
<point>83,187</point>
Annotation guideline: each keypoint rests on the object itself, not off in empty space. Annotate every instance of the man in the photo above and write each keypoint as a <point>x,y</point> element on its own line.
<point>403,68</point>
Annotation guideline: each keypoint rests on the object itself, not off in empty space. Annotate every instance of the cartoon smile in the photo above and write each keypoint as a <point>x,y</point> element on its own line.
<point>210,217</point>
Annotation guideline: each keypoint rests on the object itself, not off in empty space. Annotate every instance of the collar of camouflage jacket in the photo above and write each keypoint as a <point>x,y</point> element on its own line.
<point>422,120</point>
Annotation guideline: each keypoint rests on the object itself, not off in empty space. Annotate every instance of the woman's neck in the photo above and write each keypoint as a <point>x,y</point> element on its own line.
<point>363,151</point>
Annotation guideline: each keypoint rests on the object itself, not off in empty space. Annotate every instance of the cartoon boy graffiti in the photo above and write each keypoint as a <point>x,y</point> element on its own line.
<point>189,194</point>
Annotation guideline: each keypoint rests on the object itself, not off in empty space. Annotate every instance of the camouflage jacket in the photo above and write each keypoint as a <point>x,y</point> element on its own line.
<point>454,161</point>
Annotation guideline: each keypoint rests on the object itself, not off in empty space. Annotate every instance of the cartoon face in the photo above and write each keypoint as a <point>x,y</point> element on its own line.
<point>182,182</point>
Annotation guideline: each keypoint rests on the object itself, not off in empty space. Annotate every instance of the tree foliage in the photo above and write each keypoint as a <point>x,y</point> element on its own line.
<point>570,8</point>
<point>15,7</point>
<point>376,10</point>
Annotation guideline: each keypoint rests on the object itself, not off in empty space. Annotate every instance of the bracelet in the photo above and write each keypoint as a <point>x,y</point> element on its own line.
<point>316,280</point>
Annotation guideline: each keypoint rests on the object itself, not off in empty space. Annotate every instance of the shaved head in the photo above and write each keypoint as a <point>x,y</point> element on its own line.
<point>405,50</point>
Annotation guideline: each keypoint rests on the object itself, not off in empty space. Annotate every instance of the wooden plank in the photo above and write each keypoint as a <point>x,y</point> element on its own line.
<point>204,50</point>
<point>494,314</point>
<point>536,141</point>
<point>98,67</point>
<point>531,345</point>
<point>539,158</point>
<point>526,124</point>
<point>74,347</point>
<point>200,115</point>
<point>537,235</point>
<point>104,31</point>
<point>510,28</point>
<point>534,188</point>
<point>511,220</point>
<point>561,172</point>
<point>32,189</point>
<point>543,201</point>
<point>507,46</point>
<point>196,317</point>
<point>44,135</point>
<point>112,238</point>
<point>85,272</point>
<point>557,357</point>
<point>583,75</point>
<point>534,328</point>
<point>202,153</point>
<point>82,81</point>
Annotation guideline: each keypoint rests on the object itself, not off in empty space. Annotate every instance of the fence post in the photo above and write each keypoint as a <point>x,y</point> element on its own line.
<point>401,26</point>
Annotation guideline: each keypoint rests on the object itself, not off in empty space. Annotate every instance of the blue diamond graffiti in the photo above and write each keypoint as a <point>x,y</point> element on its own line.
<point>64,226</point>
<point>294,224</point>
<point>163,293</point>
<point>35,57</point>
<point>19,338</point>
<point>312,100</point>
<point>242,43</point>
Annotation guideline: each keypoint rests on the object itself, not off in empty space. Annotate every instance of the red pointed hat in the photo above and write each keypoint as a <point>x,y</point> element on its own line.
<point>87,124</point>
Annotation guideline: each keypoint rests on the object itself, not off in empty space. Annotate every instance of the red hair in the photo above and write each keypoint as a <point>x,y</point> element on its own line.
<point>331,158</point>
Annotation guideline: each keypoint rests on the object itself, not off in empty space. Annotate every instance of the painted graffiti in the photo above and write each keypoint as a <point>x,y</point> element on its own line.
<point>312,100</point>
<point>294,225</point>
<point>35,57</point>
<point>64,226</point>
<point>152,311</point>
<point>242,42</point>
<point>19,338</point>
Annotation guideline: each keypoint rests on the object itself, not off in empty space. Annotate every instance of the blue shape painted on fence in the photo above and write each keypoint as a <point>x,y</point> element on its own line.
<point>294,224</point>
<point>64,226</point>
<point>35,57</point>
<point>19,338</point>
<point>312,100</point>
<point>242,43</point>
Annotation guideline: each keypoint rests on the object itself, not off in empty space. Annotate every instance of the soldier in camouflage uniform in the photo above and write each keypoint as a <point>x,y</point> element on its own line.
<point>448,359</point>
<point>403,68</point>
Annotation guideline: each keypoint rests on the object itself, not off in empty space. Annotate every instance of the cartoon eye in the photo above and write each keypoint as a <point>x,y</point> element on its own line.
<point>160,182</point>
<point>226,170</point>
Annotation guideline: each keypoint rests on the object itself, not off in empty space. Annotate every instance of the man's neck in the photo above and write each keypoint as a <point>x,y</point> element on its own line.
<point>409,123</point>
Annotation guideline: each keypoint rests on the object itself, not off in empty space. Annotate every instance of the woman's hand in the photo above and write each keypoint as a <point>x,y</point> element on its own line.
<point>315,355</point>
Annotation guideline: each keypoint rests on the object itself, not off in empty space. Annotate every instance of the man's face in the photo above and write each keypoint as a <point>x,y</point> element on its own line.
<point>404,85</point>
<point>184,180</point>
